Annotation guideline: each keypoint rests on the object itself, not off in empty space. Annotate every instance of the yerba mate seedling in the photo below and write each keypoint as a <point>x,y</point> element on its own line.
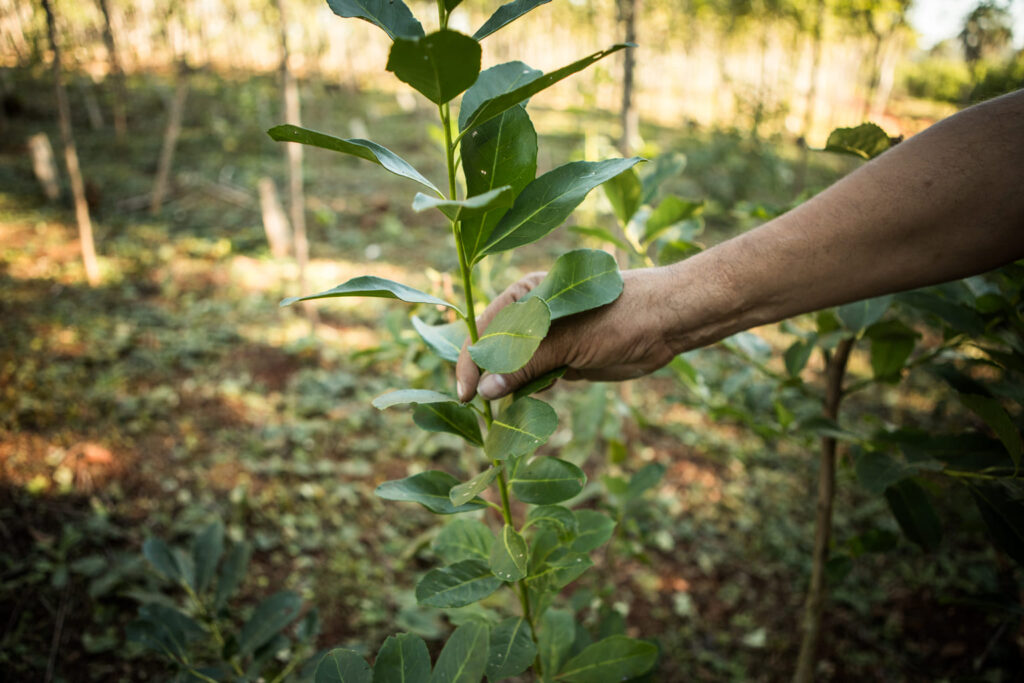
<point>502,205</point>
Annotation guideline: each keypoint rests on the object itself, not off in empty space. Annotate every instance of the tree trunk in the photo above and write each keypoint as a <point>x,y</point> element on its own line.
<point>814,605</point>
<point>629,117</point>
<point>116,73</point>
<point>92,270</point>
<point>177,112</point>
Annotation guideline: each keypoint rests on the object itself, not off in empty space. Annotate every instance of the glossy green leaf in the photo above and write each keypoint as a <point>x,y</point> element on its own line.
<point>560,519</point>
<point>891,345</point>
<point>554,638</point>
<point>670,211</point>
<point>378,287</point>
<point>509,555</point>
<point>402,396</point>
<point>440,65</point>
<point>614,659</point>
<point>866,141</point>
<point>520,428</point>
<point>1004,517</point>
<point>578,281</point>
<point>457,209</point>
<point>403,658</point>
<point>268,619</point>
<point>445,340</point>
<point>492,107</point>
<point>625,192</point>
<point>464,657</point>
<point>343,666</point>
<point>452,418</point>
<point>547,201</point>
<point>602,235</point>
<point>914,512</point>
<point>206,553</point>
<point>505,15</point>
<point>495,82</point>
<point>232,572</point>
<point>163,559</point>
<point>463,493</point>
<point>512,337</point>
<point>463,539</point>
<point>511,650</point>
<point>391,15</point>
<point>548,480</point>
<point>861,314</point>
<point>457,585</point>
<point>430,489</point>
<point>539,384</point>
<point>593,530</point>
<point>995,416</point>
<point>364,149</point>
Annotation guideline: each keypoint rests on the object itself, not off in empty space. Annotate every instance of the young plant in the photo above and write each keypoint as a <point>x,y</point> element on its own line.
<point>502,206</point>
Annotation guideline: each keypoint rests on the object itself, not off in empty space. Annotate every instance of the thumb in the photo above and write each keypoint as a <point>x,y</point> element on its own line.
<point>544,360</point>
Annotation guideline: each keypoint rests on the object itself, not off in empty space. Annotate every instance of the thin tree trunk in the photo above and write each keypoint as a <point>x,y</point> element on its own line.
<point>629,117</point>
<point>163,171</point>
<point>116,73</point>
<point>814,605</point>
<point>92,270</point>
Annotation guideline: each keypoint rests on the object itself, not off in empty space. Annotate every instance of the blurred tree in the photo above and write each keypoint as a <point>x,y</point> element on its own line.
<point>987,33</point>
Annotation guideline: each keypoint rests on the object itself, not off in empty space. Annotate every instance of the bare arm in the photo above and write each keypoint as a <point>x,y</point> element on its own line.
<point>945,204</point>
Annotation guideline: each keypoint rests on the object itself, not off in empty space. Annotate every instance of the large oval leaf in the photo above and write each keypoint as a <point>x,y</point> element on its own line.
<point>269,618</point>
<point>377,287</point>
<point>547,201</point>
<point>445,340</point>
<point>464,539</point>
<point>457,585</point>
<point>611,660</point>
<point>439,66</point>
<point>393,16</point>
<point>430,489</point>
<point>464,656</point>
<point>452,418</point>
<point>403,658</point>
<point>394,398</point>
<point>548,480</point>
<point>512,649</point>
<point>578,281</point>
<point>520,429</point>
<point>512,337</point>
<point>465,492</point>
<point>343,666</point>
<point>364,149</point>
<point>494,82</point>
<point>509,555</point>
<point>505,15</point>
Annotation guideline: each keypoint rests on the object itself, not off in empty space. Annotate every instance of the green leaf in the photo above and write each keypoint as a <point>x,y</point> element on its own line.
<point>492,107</point>
<point>891,345</point>
<point>403,658</point>
<point>555,517</point>
<point>512,337</point>
<point>995,416</point>
<point>163,559</point>
<point>463,493</point>
<point>343,666</point>
<point>1004,517</point>
<point>548,480</point>
<point>611,660</point>
<point>378,287</point>
<point>625,192</point>
<point>364,149</point>
<point>440,65</point>
<point>458,209</point>
<point>579,280</point>
<point>670,211</point>
<point>540,383</point>
<point>547,201</point>
<point>268,619</point>
<point>866,141</point>
<point>494,82</point>
<point>391,15</point>
<point>452,418</point>
<point>463,539</point>
<point>464,657</point>
<point>520,428</point>
<point>645,478</point>
<point>394,398</point>
<point>594,530</point>
<point>509,555</point>
<point>206,551</point>
<point>505,15</point>
<point>445,340</point>
<point>511,650</point>
<point>602,235</point>
<point>555,636</point>
<point>914,512</point>
<point>232,572</point>
<point>430,489</point>
<point>457,585</point>
<point>861,314</point>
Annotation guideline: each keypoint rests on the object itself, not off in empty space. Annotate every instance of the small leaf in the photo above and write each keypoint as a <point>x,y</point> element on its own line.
<point>206,551</point>
<point>548,480</point>
<point>547,201</point>
<point>445,340</point>
<point>494,82</point>
<point>403,658</point>
<point>463,493</point>
<point>625,193</point>
<point>556,633</point>
<point>509,555</point>
<point>232,572</point>
<point>457,209</point>
<point>364,149</point>
<point>670,211</point>
<point>162,558</point>
<point>866,141</point>
<point>464,657</point>
<point>861,314</point>
<point>464,539</point>
<point>560,519</point>
<point>371,286</point>
<point>394,398</point>
<point>594,530</point>
<point>393,16</point>
<point>343,666</point>
<point>450,417</point>
<point>511,649</point>
<point>457,585</point>
<point>440,65</point>
<point>578,281</point>
<point>520,429</point>
<point>512,337</point>
<point>614,659</point>
<point>914,512</point>
<point>430,489</point>
<point>268,619</point>
<point>602,235</point>
<point>995,416</point>
<point>539,384</point>
<point>505,15</point>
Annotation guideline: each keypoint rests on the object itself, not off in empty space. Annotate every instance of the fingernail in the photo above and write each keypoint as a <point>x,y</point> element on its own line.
<point>460,391</point>
<point>492,386</point>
